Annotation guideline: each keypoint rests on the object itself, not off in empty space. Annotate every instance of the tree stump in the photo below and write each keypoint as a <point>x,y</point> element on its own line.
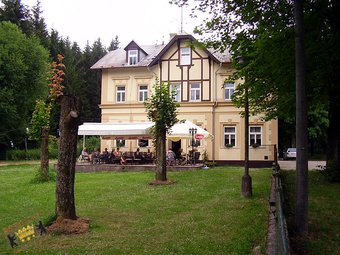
<point>68,126</point>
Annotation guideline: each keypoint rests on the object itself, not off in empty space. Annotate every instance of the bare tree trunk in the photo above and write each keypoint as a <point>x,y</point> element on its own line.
<point>44,155</point>
<point>161,156</point>
<point>68,125</point>
<point>301,214</point>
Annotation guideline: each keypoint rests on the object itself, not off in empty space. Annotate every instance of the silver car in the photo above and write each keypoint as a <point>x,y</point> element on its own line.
<point>290,153</point>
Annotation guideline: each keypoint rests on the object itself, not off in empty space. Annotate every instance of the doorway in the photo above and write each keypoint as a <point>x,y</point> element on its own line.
<point>176,146</point>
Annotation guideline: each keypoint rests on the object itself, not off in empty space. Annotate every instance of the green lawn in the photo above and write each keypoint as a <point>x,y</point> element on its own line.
<point>203,213</point>
<point>323,214</point>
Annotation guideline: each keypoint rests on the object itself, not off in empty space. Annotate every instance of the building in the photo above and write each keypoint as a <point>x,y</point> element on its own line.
<point>199,76</point>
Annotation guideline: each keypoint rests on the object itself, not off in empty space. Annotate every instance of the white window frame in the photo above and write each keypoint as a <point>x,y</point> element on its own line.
<point>229,135</point>
<point>143,92</point>
<point>185,56</point>
<point>229,89</point>
<point>132,57</point>
<point>255,135</point>
<point>195,93</point>
<point>177,88</point>
<point>120,94</point>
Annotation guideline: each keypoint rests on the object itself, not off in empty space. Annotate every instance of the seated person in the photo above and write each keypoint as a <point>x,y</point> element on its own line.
<point>170,157</point>
<point>85,154</point>
<point>122,159</point>
<point>138,156</point>
<point>95,156</point>
<point>112,155</point>
<point>118,153</point>
<point>105,156</point>
<point>148,157</point>
<point>181,156</point>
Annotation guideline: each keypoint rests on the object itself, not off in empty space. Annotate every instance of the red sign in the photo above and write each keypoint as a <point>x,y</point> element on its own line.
<point>199,136</point>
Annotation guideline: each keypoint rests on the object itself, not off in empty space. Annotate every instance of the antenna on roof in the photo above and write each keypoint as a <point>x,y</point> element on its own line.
<point>182,19</point>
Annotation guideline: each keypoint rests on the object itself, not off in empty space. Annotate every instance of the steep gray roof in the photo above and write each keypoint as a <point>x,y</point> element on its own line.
<point>117,58</point>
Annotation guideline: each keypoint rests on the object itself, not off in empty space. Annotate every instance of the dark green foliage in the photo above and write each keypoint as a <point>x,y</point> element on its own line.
<point>31,154</point>
<point>23,66</point>
<point>262,33</point>
<point>80,80</point>
<point>91,142</point>
<point>17,13</point>
<point>114,44</point>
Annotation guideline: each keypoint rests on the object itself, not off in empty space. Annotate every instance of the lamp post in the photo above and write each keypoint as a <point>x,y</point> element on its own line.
<point>193,131</point>
<point>246,179</point>
<point>246,187</point>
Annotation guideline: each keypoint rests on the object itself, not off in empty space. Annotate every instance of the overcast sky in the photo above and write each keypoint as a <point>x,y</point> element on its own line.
<point>145,21</point>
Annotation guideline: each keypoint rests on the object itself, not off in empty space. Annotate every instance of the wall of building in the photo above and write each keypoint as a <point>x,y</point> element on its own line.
<point>212,113</point>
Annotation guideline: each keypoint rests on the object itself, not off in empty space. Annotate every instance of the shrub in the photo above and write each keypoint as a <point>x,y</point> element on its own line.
<point>91,142</point>
<point>31,154</point>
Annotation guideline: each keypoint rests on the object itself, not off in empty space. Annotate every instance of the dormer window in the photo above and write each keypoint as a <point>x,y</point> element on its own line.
<point>132,57</point>
<point>185,56</point>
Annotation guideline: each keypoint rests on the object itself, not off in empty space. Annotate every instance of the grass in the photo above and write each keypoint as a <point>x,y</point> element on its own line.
<point>323,215</point>
<point>203,213</point>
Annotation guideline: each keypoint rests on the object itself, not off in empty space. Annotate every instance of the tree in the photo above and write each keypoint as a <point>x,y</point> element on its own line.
<point>161,108</point>
<point>69,122</point>
<point>301,125</point>
<point>39,130</point>
<point>114,44</point>
<point>17,13</point>
<point>23,68</point>
<point>92,80</point>
<point>39,25</point>
<point>263,33</point>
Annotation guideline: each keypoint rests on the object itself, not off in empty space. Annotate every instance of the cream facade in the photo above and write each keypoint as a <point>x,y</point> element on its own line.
<point>199,78</point>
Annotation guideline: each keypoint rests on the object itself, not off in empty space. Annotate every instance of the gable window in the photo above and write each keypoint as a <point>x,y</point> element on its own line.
<point>132,57</point>
<point>229,136</point>
<point>120,94</point>
<point>143,93</point>
<point>176,88</point>
<point>255,135</point>
<point>229,88</point>
<point>195,92</point>
<point>185,56</point>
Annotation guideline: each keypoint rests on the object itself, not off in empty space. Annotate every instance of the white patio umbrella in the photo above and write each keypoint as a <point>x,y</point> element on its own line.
<point>181,131</point>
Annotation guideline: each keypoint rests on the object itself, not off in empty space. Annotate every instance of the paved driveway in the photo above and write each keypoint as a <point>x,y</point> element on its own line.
<point>291,164</point>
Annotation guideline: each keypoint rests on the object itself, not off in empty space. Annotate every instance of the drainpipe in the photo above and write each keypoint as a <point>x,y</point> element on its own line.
<point>213,114</point>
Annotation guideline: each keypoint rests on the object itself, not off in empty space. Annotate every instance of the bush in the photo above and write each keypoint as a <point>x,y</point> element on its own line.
<point>332,172</point>
<point>32,154</point>
<point>91,142</point>
<point>41,178</point>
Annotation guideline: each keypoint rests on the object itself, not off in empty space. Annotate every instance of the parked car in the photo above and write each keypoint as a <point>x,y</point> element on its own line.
<point>290,153</point>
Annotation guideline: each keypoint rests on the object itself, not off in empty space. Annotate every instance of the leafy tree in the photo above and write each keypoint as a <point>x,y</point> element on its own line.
<point>161,108</point>
<point>23,67</point>
<point>17,13</point>
<point>262,32</point>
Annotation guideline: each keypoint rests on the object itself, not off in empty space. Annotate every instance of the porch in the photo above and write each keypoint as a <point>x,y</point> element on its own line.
<point>90,168</point>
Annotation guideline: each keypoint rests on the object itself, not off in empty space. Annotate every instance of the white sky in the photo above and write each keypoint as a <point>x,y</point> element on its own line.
<point>145,21</point>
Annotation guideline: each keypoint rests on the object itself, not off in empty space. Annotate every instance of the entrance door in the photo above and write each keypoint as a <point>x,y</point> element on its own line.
<point>176,146</point>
